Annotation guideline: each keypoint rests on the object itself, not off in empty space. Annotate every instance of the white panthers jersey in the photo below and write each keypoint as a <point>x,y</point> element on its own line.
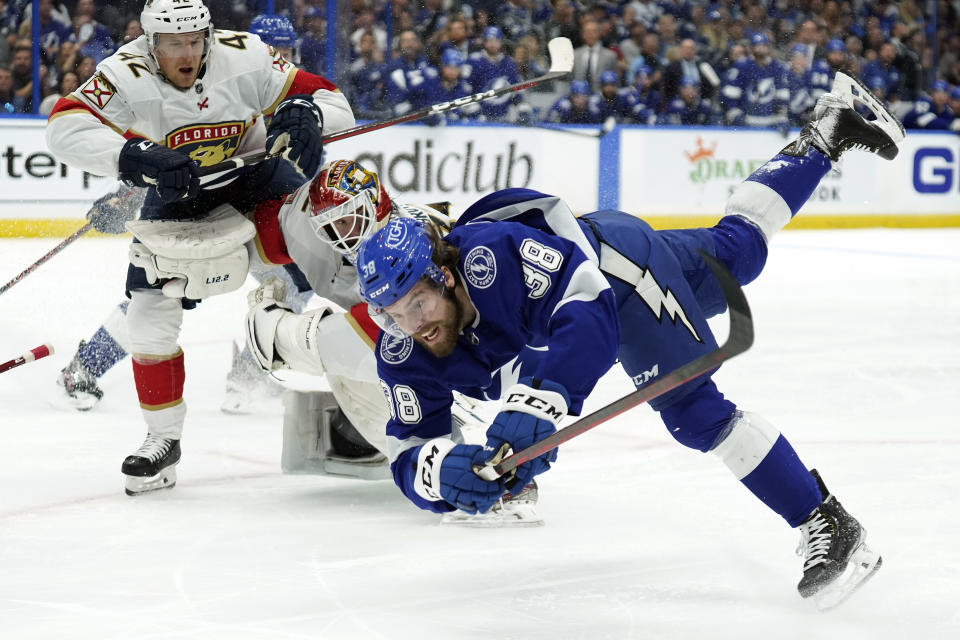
<point>242,81</point>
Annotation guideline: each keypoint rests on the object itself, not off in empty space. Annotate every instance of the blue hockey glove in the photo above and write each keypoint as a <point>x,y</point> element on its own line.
<point>445,472</point>
<point>296,133</point>
<point>531,411</point>
<point>145,164</point>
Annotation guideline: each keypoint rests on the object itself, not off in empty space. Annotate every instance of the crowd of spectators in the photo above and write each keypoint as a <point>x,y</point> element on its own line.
<point>750,63</point>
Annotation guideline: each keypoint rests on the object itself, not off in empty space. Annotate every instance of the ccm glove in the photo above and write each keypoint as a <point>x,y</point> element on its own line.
<point>531,411</point>
<point>445,472</point>
<point>296,133</point>
<point>174,174</point>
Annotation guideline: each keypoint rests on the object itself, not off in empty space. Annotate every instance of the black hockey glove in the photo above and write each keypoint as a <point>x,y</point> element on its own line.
<point>174,174</point>
<point>296,133</point>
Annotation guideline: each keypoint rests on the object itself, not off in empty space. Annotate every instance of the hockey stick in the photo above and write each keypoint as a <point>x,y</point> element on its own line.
<point>561,64</point>
<point>738,341</point>
<point>57,249</point>
<point>36,353</point>
<point>607,127</point>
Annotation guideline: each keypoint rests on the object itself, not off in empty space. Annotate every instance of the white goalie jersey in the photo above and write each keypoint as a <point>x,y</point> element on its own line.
<point>221,115</point>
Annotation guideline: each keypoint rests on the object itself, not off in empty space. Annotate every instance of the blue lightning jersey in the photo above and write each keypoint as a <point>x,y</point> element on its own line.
<point>484,73</point>
<point>406,83</point>
<point>680,113</point>
<point>436,91</point>
<point>925,115</point>
<point>756,94</point>
<point>564,112</point>
<point>551,293</point>
<point>621,107</point>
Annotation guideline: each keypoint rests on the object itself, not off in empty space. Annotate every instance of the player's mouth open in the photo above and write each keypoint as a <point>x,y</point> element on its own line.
<point>431,335</point>
<point>186,70</point>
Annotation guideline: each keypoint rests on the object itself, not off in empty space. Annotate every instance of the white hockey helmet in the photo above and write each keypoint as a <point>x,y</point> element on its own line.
<point>176,16</point>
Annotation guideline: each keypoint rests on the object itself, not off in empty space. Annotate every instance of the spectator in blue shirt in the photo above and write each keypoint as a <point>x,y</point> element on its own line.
<point>573,108</point>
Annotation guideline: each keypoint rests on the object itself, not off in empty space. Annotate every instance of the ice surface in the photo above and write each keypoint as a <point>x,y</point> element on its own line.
<point>857,360</point>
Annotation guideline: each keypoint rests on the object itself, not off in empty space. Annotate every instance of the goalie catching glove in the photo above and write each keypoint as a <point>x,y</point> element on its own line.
<point>296,133</point>
<point>277,337</point>
<point>531,411</point>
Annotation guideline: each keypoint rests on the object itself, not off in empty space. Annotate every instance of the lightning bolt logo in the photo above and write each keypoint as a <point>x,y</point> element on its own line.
<point>659,300</point>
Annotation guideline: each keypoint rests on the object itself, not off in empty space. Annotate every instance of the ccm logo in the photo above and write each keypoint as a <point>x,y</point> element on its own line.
<point>426,472</point>
<point>535,403</point>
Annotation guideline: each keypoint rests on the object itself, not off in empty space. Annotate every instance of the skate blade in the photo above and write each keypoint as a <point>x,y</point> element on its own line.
<point>850,89</point>
<point>137,485</point>
<point>521,515</point>
<point>863,564</point>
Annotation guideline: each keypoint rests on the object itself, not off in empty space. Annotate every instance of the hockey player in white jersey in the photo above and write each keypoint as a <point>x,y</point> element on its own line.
<point>178,97</point>
<point>246,385</point>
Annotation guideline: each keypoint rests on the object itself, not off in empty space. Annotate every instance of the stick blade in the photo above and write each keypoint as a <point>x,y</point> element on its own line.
<point>741,319</point>
<point>561,55</point>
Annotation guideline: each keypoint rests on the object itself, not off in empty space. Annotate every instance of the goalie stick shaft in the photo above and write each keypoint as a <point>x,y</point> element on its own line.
<point>739,340</point>
<point>36,353</point>
<point>57,249</point>
<point>561,65</point>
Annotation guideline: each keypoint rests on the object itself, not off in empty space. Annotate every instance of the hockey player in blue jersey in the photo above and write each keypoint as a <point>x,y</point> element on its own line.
<point>526,303</point>
<point>490,68</point>
<point>574,108</point>
<point>756,93</point>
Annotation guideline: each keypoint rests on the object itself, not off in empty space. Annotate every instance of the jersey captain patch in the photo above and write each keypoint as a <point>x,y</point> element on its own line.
<point>208,144</point>
<point>98,91</point>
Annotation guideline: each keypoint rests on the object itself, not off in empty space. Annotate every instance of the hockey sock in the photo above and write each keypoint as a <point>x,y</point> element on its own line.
<point>159,382</point>
<point>783,483</point>
<point>101,353</point>
<point>773,194</point>
<point>793,178</point>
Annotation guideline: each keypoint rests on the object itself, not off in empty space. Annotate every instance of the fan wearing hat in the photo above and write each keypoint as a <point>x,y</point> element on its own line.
<point>932,112</point>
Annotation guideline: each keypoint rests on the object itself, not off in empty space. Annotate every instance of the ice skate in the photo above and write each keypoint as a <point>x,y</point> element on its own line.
<point>246,384</point>
<point>836,559</point>
<point>837,127</point>
<point>79,384</point>
<point>512,510</point>
<point>151,467</point>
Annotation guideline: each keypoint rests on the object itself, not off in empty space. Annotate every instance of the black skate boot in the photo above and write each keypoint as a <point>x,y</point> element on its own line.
<point>79,384</point>
<point>837,127</point>
<point>836,560</point>
<point>151,467</point>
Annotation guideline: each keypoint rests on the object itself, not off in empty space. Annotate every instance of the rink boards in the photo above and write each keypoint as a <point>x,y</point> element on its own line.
<point>670,176</point>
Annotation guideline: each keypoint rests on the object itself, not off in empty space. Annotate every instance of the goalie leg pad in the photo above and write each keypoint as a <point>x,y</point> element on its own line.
<point>308,419</point>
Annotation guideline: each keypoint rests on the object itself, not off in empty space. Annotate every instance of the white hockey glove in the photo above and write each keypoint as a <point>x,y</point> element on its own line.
<point>279,338</point>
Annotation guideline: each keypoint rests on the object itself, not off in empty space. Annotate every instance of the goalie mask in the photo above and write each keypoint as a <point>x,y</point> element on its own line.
<point>347,204</point>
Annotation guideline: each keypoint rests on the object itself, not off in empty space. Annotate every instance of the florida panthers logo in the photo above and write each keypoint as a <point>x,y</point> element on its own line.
<point>480,267</point>
<point>208,144</point>
<point>350,178</point>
